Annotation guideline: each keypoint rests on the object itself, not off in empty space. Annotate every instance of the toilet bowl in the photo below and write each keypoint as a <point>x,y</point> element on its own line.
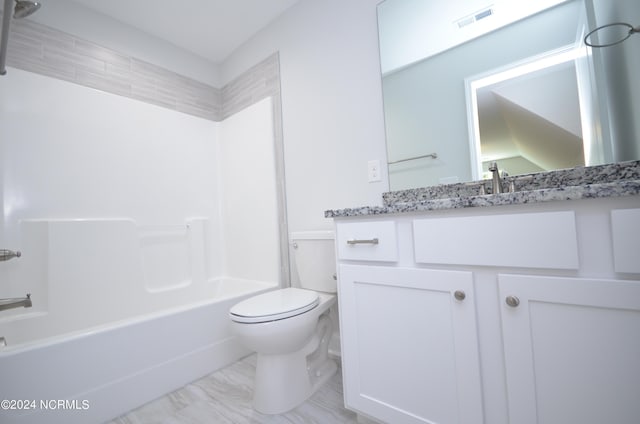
<point>290,328</point>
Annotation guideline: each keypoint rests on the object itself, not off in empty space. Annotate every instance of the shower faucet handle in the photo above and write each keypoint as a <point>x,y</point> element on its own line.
<point>6,254</point>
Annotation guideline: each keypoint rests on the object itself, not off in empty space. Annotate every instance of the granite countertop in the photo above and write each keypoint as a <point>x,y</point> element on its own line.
<point>612,180</point>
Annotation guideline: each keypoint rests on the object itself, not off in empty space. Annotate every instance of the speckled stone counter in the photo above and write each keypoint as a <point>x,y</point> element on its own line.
<point>613,180</point>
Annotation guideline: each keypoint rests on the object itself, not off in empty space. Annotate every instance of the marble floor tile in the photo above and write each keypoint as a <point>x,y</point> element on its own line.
<point>225,397</point>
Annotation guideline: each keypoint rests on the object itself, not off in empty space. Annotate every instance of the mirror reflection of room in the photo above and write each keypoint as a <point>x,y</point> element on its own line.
<point>445,123</point>
<point>527,118</point>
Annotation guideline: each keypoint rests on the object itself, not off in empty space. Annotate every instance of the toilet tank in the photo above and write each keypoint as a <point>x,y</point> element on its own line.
<point>314,255</point>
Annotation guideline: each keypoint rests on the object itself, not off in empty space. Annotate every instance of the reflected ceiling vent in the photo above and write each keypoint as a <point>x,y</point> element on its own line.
<point>477,16</point>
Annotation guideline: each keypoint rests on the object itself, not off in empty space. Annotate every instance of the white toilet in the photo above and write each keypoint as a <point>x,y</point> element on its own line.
<point>290,328</point>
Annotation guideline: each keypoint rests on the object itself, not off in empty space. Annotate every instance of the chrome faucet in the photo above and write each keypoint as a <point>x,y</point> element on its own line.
<point>496,181</point>
<point>6,254</point>
<point>16,303</point>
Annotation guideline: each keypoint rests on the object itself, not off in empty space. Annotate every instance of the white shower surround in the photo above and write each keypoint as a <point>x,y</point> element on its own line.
<point>129,220</point>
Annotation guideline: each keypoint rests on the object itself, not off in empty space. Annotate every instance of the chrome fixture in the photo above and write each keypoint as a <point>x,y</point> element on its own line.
<point>497,182</point>
<point>369,241</point>
<point>23,8</point>
<point>430,155</point>
<point>616,33</point>
<point>459,295</point>
<point>512,301</point>
<point>5,255</point>
<point>19,302</point>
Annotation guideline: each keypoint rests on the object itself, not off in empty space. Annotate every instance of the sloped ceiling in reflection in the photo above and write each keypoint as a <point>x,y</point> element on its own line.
<point>532,121</point>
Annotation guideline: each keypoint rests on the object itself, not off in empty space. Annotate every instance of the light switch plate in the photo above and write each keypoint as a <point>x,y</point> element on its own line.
<point>373,169</point>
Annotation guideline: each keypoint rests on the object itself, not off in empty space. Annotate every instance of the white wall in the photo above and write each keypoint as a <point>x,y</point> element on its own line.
<point>331,104</point>
<point>248,186</point>
<point>73,18</point>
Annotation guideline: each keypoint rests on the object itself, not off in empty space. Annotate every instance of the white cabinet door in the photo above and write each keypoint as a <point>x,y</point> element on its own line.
<point>409,346</point>
<point>572,349</point>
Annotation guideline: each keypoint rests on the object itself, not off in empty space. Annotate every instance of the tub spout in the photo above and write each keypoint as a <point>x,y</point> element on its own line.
<point>6,254</point>
<point>24,302</point>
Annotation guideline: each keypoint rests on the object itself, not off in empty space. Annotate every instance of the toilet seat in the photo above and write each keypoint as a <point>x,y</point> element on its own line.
<point>274,305</point>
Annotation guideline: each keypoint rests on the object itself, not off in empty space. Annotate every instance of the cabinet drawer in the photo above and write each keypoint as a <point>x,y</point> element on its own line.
<point>530,240</point>
<point>367,241</point>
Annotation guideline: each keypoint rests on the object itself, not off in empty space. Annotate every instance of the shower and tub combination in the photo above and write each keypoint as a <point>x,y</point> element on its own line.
<point>126,313</point>
<point>21,10</point>
<point>134,244</point>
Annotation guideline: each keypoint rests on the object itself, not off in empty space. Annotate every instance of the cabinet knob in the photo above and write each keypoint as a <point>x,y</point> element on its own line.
<point>512,301</point>
<point>459,295</point>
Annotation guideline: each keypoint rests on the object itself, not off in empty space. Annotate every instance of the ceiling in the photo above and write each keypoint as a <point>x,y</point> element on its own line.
<point>534,118</point>
<point>209,28</point>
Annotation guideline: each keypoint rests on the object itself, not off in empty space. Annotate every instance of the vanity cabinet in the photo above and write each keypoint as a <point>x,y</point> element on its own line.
<point>409,341</point>
<point>516,314</point>
<point>572,347</point>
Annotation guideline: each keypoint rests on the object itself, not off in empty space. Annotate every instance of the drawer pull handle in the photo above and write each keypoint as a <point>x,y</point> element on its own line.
<point>459,295</point>
<point>369,241</point>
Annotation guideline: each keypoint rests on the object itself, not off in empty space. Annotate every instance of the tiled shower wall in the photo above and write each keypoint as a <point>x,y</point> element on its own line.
<point>40,49</point>
<point>262,80</point>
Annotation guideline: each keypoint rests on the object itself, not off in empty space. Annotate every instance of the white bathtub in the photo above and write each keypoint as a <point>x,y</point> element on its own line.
<point>94,375</point>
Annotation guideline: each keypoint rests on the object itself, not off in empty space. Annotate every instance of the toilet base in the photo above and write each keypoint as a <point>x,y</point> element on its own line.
<point>283,382</point>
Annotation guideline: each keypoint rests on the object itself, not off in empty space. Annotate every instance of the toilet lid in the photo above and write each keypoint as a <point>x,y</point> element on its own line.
<point>274,305</point>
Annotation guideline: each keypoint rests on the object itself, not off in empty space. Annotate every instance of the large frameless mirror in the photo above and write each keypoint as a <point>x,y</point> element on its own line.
<point>466,83</point>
